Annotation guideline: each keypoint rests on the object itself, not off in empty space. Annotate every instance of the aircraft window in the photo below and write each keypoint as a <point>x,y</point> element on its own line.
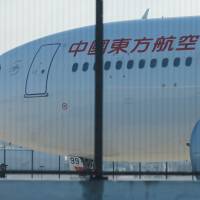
<point>165,62</point>
<point>188,61</point>
<point>141,63</point>
<point>85,66</point>
<point>176,62</point>
<point>107,65</point>
<point>153,63</point>
<point>130,64</point>
<point>75,67</point>
<point>119,64</point>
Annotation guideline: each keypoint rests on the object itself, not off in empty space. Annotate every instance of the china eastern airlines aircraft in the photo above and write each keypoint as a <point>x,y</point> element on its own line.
<point>151,90</point>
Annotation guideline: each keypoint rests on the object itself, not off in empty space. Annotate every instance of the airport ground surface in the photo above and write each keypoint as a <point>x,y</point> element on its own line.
<point>99,190</point>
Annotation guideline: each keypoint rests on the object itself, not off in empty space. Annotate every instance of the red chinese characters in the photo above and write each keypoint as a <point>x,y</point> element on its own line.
<point>92,48</point>
<point>164,43</point>
<point>142,45</point>
<point>78,47</point>
<point>119,45</point>
<point>187,42</point>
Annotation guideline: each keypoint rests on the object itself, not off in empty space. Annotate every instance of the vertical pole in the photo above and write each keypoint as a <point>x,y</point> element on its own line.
<point>4,160</point>
<point>32,152</point>
<point>166,170</point>
<point>59,167</point>
<point>140,170</point>
<point>4,154</point>
<point>113,166</point>
<point>98,157</point>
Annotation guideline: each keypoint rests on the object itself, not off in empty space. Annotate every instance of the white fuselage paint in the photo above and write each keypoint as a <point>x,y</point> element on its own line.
<point>149,113</point>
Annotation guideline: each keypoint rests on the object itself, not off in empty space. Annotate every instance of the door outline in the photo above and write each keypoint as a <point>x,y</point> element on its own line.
<point>45,93</point>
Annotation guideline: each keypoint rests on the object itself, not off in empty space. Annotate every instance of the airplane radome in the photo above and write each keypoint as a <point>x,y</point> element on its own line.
<point>151,91</point>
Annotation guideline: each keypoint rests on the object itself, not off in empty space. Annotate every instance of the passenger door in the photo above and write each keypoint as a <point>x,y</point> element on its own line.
<point>37,78</point>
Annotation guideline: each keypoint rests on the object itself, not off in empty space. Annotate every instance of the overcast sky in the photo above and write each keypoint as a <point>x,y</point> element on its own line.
<point>25,20</point>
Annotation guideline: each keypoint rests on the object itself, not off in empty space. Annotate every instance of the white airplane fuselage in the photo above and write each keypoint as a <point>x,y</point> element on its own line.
<point>150,109</point>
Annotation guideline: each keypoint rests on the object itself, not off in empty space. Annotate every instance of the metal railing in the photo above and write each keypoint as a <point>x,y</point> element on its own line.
<point>29,162</point>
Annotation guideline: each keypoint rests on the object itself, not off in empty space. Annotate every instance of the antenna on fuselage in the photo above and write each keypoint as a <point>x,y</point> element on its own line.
<point>145,16</point>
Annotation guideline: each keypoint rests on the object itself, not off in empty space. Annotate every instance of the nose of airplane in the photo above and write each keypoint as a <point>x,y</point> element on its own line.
<point>195,149</point>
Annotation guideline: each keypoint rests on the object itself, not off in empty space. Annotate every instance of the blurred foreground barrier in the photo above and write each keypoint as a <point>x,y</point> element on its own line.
<point>100,190</point>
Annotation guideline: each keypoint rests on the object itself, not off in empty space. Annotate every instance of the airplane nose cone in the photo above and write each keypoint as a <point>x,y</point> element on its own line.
<point>195,149</point>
